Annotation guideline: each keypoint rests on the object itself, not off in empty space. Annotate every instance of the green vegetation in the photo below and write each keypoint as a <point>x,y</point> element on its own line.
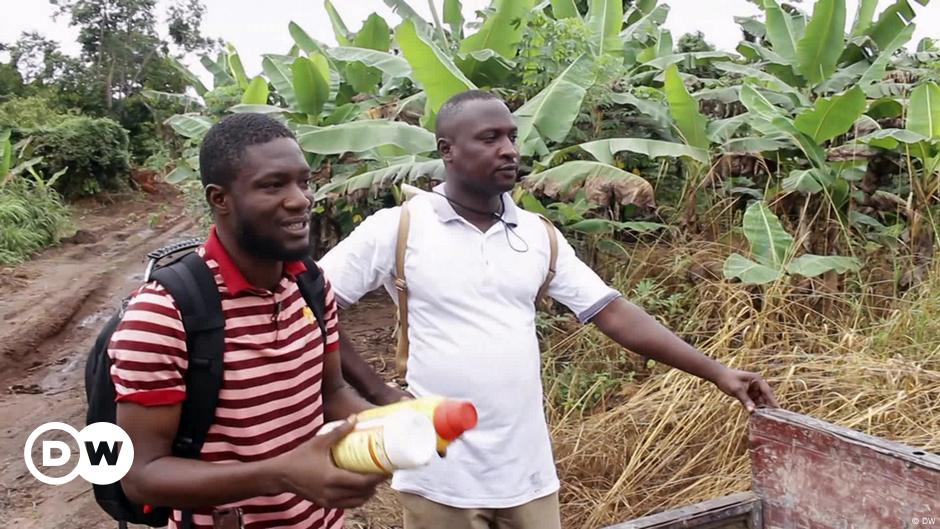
<point>93,151</point>
<point>90,118</point>
<point>807,118</point>
<point>32,213</point>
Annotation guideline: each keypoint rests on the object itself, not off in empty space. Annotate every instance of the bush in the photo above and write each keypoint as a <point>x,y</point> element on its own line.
<point>28,113</point>
<point>32,217</point>
<point>95,151</point>
<point>219,100</point>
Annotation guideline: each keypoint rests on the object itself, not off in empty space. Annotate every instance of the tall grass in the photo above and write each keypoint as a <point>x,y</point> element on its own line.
<point>32,216</point>
<point>633,438</point>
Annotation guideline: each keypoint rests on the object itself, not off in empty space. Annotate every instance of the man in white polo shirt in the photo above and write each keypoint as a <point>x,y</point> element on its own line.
<point>474,264</point>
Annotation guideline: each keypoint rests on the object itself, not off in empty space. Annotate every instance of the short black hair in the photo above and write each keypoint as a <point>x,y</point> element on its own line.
<point>452,107</point>
<point>224,145</point>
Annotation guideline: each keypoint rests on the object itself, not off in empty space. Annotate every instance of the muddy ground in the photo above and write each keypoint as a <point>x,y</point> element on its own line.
<point>51,309</point>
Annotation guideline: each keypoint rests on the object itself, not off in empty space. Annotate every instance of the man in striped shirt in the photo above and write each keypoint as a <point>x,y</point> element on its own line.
<point>282,378</point>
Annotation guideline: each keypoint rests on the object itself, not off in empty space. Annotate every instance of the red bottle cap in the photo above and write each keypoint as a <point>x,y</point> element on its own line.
<point>454,417</point>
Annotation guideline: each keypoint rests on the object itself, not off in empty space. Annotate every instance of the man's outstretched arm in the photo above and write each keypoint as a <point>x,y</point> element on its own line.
<point>634,329</point>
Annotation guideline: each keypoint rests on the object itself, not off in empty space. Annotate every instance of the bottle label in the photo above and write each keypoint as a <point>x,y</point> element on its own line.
<point>363,450</point>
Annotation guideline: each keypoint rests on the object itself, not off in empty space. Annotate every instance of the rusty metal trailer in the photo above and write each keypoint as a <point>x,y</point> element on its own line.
<point>809,474</point>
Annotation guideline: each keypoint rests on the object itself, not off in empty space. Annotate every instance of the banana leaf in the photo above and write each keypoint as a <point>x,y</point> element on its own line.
<point>565,9</point>
<point>453,17</point>
<point>892,21</point>
<point>392,66</point>
<point>339,27</point>
<point>179,99</point>
<point>876,72</point>
<point>770,243</point>
<point>189,125</point>
<point>552,112</point>
<point>923,115</point>
<point>604,150</point>
<point>781,31</point>
<point>257,109</point>
<point>605,18</point>
<point>822,43</point>
<point>277,68</point>
<point>739,267</point>
<point>303,40</point>
<point>566,180</point>
<point>405,11</point>
<point>235,67</point>
<point>6,153</point>
<point>501,31</point>
<point>384,177</point>
<point>814,265</point>
<point>312,88</point>
<point>769,80</point>
<point>485,67</point>
<point>434,70</point>
<point>684,109</point>
<point>257,92</point>
<point>190,77</point>
<point>864,17</point>
<point>831,116</point>
<point>374,34</point>
<point>361,136</point>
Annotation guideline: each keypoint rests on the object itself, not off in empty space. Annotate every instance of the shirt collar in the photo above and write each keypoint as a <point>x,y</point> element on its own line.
<point>232,276</point>
<point>445,211</point>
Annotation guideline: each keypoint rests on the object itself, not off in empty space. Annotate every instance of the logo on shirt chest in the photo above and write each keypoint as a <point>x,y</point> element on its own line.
<point>308,314</point>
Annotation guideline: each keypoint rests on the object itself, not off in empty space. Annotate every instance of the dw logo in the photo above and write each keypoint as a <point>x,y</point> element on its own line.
<point>105,453</point>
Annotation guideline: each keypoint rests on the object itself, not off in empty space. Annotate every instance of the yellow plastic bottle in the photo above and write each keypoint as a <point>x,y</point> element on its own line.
<point>382,445</point>
<point>451,418</point>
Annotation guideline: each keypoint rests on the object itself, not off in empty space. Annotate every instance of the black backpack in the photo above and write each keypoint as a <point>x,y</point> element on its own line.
<point>192,285</point>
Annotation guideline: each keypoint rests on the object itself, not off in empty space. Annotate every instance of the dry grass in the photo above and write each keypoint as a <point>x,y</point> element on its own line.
<point>858,359</point>
<point>632,439</point>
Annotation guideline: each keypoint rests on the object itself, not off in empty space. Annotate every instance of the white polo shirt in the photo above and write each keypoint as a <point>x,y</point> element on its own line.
<point>471,326</point>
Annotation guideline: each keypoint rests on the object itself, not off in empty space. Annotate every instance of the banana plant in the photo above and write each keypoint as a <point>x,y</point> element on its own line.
<point>487,55</point>
<point>6,154</point>
<point>814,52</point>
<point>16,159</point>
<point>433,69</point>
<point>828,118</point>
<point>921,137</point>
<point>574,215</point>
<point>772,253</point>
<point>397,172</point>
<point>920,141</point>
<point>550,115</point>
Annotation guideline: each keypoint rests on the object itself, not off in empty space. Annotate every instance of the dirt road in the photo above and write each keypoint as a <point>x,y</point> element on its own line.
<point>51,309</point>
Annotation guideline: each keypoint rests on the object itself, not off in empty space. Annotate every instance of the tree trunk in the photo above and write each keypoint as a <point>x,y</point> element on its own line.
<point>107,87</point>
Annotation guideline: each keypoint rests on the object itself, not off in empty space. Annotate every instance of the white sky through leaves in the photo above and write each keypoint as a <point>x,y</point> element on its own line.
<point>256,27</point>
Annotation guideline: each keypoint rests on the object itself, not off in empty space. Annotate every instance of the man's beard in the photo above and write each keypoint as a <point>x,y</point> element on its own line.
<point>266,248</point>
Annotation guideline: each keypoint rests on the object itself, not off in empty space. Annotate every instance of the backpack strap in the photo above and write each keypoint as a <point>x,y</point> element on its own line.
<point>313,289</point>
<point>401,353</point>
<point>404,223</point>
<point>196,294</point>
<point>552,260</point>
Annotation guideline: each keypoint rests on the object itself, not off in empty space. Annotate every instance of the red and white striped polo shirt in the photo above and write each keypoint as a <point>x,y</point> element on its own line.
<point>270,400</point>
